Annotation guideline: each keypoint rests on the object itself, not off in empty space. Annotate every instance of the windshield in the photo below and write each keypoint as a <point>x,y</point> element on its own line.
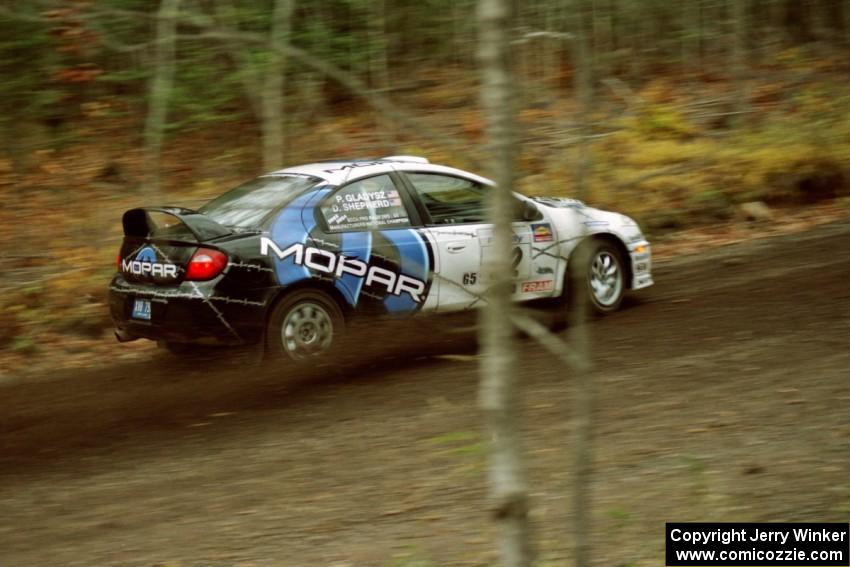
<point>248,205</point>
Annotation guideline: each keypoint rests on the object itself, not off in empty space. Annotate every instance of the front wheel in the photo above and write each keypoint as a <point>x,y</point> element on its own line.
<point>304,326</point>
<point>601,272</point>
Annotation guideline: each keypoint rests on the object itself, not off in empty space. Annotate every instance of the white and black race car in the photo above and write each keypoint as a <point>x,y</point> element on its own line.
<point>289,258</point>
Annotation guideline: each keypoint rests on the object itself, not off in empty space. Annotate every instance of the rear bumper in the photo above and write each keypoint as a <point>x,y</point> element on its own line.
<point>193,312</point>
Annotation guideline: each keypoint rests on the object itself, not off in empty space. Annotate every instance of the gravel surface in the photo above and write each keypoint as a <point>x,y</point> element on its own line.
<point>722,395</point>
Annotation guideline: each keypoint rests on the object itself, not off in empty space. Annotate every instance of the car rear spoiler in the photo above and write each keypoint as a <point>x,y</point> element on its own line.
<point>138,223</point>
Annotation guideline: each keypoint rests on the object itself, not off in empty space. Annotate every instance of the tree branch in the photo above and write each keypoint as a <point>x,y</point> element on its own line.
<point>549,341</point>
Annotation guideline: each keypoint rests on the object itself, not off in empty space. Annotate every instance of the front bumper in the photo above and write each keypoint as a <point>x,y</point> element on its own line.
<point>641,256</point>
<point>192,312</point>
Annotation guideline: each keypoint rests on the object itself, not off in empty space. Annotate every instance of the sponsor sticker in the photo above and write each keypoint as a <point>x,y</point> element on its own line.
<point>542,232</point>
<point>537,285</point>
<point>356,207</point>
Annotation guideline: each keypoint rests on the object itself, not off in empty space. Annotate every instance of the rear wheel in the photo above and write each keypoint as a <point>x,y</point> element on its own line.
<point>601,270</point>
<point>304,326</point>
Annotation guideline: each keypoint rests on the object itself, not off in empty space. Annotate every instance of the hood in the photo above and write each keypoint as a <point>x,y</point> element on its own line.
<point>575,213</point>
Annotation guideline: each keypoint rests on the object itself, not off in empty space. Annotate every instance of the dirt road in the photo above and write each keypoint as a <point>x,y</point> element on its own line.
<point>722,395</point>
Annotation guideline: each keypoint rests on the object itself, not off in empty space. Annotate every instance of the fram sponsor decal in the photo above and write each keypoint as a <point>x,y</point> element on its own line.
<point>542,232</point>
<point>145,264</point>
<point>537,285</point>
<point>338,265</point>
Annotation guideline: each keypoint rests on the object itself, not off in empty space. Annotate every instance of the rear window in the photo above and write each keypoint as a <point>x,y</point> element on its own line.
<point>164,225</point>
<point>248,205</point>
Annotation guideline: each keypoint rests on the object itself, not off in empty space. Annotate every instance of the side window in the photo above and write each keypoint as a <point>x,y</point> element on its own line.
<point>450,200</point>
<point>371,203</point>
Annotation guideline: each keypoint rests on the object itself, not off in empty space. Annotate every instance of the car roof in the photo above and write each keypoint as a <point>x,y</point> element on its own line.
<point>342,171</point>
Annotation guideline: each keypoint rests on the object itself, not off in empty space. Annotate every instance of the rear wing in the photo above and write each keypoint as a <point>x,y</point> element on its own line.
<point>153,222</point>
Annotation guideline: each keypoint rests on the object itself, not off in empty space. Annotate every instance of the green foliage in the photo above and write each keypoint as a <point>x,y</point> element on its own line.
<point>794,151</point>
<point>75,86</point>
<point>456,437</point>
<point>462,443</point>
<point>24,344</point>
<point>663,121</point>
<point>412,561</point>
<point>27,61</point>
<point>200,71</point>
<point>620,515</point>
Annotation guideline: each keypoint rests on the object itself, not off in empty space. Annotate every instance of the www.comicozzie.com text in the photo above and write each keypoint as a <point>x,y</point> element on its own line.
<point>743,534</point>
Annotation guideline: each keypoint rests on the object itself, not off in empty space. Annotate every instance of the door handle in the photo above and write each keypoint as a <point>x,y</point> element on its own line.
<point>455,247</point>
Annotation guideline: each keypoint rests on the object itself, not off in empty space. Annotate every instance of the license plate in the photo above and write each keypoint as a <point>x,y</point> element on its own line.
<point>142,309</point>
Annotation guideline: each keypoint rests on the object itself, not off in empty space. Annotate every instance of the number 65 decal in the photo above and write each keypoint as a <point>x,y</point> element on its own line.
<point>470,278</point>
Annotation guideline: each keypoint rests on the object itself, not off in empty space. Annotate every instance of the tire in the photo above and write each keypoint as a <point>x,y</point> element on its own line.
<point>304,326</point>
<point>602,271</point>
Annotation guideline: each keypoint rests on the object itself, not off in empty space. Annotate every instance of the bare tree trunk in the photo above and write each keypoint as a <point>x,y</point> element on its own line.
<point>160,90</point>
<point>583,406</point>
<point>739,60</point>
<point>797,21</point>
<point>328,70</point>
<point>551,50</point>
<point>582,410</point>
<point>601,27</point>
<point>583,91</point>
<point>379,68</point>
<point>691,63</point>
<point>637,42</point>
<point>248,73</point>
<point>273,85</point>
<point>498,388</point>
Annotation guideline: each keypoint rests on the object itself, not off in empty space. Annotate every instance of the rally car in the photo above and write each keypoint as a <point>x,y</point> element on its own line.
<point>288,259</point>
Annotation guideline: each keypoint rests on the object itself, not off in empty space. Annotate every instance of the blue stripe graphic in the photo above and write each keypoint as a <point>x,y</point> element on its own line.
<point>292,225</point>
<point>354,245</point>
<point>307,214</point>
<point>414,263</point>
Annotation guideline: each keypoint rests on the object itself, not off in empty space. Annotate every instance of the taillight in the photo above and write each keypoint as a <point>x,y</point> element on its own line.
<point>205,264</point>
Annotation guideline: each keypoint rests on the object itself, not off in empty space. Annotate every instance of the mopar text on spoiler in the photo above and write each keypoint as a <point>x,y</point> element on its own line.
<point>146,264</point>
<point>149,268</point>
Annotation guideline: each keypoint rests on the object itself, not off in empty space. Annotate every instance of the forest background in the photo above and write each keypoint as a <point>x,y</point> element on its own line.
<point>693,109</point>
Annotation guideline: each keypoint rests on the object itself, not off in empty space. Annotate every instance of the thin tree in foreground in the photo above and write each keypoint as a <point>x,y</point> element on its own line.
<point>739,9</point>
<point>498,387</point>
<point>578,337</point>
<point>273,85</point>
<point>160,91</point>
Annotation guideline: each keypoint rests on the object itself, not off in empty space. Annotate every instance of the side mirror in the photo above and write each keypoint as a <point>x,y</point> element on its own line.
<point>529,211</point>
